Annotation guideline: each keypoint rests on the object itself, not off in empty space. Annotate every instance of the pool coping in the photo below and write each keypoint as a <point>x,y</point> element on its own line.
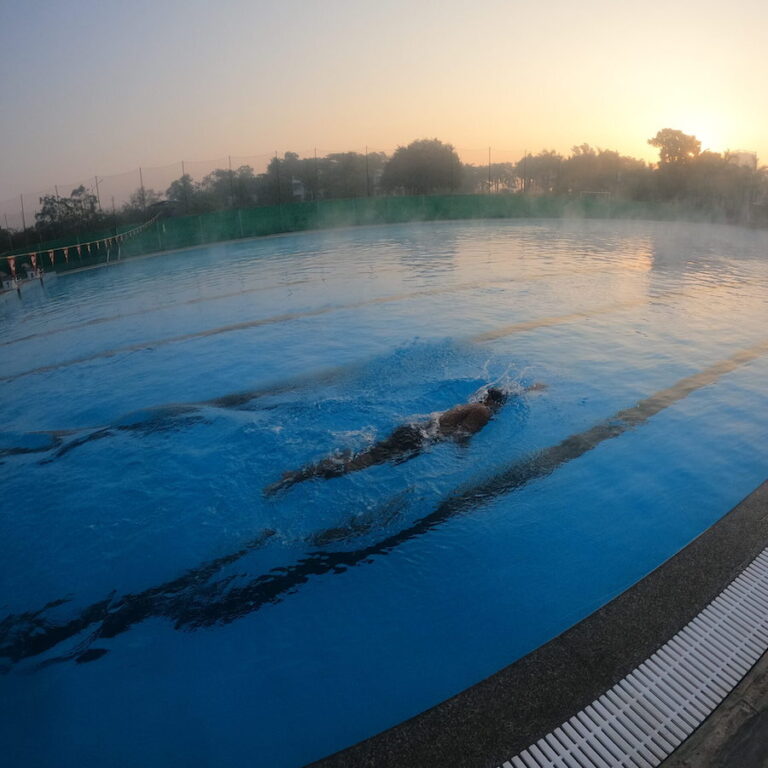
<point>502,715</point>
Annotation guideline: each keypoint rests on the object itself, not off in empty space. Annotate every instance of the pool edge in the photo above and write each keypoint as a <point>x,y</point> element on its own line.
<point>505,713</point>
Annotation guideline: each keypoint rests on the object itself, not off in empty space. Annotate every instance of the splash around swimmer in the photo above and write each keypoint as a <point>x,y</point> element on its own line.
<point>458,424</point>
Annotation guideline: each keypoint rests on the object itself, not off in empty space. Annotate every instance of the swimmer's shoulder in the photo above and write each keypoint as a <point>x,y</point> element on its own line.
<point>474,414</point>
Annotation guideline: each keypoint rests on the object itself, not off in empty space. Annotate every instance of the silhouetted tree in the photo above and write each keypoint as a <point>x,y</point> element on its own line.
<point>350,174</point>
<point>138,202</point>
<point>183,191</point>
<point>61,215</point>
<point>503,178</point>
<point>540,173</point>
<point>715,184</point>
<point>675,146</point>
<point>423,167</point>
<point>276,185</point>
<point>223,188</point>
<point>604,171</point>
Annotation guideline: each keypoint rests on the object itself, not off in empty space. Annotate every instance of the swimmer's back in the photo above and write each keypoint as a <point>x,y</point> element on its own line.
<point>467,419</point>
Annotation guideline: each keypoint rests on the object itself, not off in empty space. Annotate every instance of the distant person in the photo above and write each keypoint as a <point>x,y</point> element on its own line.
<point>458,423</point>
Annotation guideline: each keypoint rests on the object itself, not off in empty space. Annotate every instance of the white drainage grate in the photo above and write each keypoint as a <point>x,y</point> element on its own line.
<point>645,716</point>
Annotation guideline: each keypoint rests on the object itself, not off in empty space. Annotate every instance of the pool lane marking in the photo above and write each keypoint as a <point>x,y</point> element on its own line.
<point>546,322</point>
<point>275,319</point>
<point>216,297</point>
<point>158,418</point>
<point>192,600</point>
<point>151,310</point>
<point>45,635</point>
<point>326,376</point>
<point>153,418</point>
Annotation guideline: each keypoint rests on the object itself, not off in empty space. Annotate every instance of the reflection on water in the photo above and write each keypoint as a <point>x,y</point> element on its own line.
<point>146,407</point>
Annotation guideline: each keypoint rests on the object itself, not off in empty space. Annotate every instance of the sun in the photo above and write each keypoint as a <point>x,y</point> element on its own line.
<point>710,130</point>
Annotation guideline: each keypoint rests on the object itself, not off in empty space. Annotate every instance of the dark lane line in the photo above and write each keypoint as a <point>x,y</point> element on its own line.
<point>160,308</point>
<point>546,322</point>
<point>216,297</point>
<point>158,415</point>
<point>175,416</point>
<point>172,412</point>
<point>193,601</point>
<point>248,324</point>
<point>159,418</point>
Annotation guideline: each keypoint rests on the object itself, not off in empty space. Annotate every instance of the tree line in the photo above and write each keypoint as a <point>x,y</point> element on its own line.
<point>722,185</point>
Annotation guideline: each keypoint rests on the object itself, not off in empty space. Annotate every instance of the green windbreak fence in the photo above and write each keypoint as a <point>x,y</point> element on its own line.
<point>186,231</point>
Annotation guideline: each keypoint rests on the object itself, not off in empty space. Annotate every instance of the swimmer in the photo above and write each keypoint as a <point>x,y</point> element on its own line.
<point>458,423</point>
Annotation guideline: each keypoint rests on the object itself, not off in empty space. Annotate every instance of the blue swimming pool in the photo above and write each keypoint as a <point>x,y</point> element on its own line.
<point>157,609</point>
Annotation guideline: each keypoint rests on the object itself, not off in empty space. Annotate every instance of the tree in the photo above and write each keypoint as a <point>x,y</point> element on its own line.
<point>423,167</point>
<point>503,178</point>
<point>677,150</point>
<point>191,197</point>
<point>350,174</point>
<point>245,185</point>
<point>182,191</point>
<point>6,240</point>
<point>603,171</point>
<point>675,147</point>
<point>276,185</point>
<point>63,215</point>
<point>719,186</point>
<point>540,173</point>
<point>138,202</point>
<point>226,189</point>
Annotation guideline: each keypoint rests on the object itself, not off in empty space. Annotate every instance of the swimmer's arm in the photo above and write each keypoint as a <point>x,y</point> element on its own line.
<point>287,480</point>
<point>334,466</point>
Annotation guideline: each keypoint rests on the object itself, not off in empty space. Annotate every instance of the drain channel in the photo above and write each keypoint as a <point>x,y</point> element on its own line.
<point>647,715</point>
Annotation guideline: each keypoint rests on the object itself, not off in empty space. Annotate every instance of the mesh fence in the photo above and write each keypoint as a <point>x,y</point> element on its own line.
<point>164,234</point>
<point>114,191</point>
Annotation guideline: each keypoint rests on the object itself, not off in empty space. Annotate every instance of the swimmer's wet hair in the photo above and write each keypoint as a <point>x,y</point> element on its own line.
<point>495,396</point>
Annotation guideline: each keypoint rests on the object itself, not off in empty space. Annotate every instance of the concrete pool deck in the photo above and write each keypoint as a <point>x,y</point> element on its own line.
<point>736,734</point>
<point>494,720</point>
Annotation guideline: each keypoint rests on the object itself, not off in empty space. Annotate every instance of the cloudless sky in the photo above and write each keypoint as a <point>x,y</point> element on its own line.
<point>96,86</point>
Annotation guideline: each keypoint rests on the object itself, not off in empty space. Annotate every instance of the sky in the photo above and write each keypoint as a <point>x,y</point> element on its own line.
<point>96,87</point>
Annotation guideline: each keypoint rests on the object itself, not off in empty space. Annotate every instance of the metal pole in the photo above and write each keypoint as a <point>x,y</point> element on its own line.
<point>56,187</point>
<point>525,171</point>
<point>317,178</point>
<point>489,170</point>
<point>23,218</point>
<point>231,183</point>
<point>114,224</point>
<point>98,196</point>
<point>143,193</point>
<point>184,188</point>
<point>277,170</point>
<point>367,176</point>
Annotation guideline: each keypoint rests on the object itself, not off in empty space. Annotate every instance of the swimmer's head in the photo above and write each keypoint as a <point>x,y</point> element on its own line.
<point>495,397</point>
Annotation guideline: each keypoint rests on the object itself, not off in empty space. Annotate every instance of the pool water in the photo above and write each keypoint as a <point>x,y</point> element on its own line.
<point>158,609</point>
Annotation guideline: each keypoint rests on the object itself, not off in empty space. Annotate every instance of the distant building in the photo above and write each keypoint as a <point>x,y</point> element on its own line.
<point>743,159</point>
<point>164,208</point>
